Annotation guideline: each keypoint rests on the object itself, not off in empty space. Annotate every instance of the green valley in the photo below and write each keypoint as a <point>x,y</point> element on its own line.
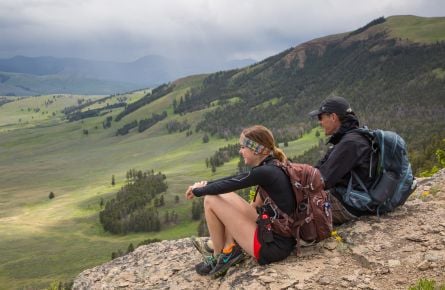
<point>390,70</point>
<point>54,239</point>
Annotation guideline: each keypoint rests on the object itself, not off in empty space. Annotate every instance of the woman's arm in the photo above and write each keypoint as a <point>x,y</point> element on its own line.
<point>257,176</point>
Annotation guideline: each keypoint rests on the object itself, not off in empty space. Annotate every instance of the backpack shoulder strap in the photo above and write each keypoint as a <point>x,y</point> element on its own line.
<point>373,137</point>
<point>365,132</point>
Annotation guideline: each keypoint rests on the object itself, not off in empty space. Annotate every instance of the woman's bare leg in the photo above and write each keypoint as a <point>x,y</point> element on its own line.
<point>229,213</point>
<point>233,199</point>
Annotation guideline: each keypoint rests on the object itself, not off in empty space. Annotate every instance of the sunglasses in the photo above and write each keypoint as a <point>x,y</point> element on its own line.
<point>320,116</point>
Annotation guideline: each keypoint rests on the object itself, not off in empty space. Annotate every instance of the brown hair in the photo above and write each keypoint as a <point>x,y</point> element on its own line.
<point>264,136</point>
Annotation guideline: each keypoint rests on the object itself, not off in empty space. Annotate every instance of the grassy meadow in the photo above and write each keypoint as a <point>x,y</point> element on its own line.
<point>417,29</point>
<point>44,240</point>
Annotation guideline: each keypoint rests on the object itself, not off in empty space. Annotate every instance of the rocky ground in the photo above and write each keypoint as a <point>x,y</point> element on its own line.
<point>390,252</point>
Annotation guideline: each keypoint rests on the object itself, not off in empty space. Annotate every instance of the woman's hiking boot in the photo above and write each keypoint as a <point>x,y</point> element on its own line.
<point>203,246</point>
<point>206,266</point>
<point>229,257</point>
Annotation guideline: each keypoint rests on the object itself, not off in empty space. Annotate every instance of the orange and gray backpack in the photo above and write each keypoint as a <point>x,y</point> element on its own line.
<point>312,219</point>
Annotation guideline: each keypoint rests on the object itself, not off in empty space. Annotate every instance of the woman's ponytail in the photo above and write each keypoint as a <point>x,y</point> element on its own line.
<point>279,154</point>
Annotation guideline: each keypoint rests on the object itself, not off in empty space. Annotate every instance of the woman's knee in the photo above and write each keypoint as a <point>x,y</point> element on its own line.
<point>212,200</point>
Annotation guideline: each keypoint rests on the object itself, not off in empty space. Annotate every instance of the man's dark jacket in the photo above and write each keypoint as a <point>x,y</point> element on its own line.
<point>348,151</point>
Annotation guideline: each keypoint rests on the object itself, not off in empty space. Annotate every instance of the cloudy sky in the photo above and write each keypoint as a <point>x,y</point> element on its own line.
<point>124,30</point>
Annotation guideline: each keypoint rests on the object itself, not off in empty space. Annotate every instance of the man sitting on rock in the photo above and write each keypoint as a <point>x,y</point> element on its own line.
<point>348,151</point>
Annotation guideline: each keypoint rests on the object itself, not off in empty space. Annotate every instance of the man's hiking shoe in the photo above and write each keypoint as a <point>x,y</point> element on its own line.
<point>203,246</point>
<point>226,259</point>
<point>206,266</point>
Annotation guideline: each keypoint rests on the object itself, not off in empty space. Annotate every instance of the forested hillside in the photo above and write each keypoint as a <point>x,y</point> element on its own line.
<point>393,82</point>
<point>392,71</point>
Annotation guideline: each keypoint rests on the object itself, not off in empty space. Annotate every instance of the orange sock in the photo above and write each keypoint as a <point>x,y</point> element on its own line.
<point>229,248</point>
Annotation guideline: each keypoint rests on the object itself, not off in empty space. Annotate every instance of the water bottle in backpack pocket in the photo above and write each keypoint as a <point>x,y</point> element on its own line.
<point>264,225</point>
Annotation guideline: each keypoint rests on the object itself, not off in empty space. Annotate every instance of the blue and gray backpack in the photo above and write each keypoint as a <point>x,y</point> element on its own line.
<point>394,180</point>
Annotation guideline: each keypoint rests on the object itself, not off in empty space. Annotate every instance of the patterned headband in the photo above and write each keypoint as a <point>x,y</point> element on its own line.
<point>256,147</point>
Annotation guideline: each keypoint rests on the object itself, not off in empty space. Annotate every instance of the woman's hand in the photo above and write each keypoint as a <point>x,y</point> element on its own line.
<point>199,184</point>
<point>189,194</point>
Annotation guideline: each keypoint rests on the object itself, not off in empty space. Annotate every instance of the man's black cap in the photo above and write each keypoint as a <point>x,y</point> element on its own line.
<point>336,105</point>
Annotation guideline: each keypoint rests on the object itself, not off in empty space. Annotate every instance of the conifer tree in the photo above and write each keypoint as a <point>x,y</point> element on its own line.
<point>161,201</point>
<point>166,217</point>
<point>205,138</point>
<point>130,248</point>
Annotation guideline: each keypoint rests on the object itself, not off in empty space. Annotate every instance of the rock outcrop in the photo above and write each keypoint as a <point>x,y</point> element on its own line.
<point>389,252</point>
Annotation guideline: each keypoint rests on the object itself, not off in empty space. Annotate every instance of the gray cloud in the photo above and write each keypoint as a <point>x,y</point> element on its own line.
<point>206,29</point>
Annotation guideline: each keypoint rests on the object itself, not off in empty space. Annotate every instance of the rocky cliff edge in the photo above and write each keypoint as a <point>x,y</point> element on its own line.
<point>389,252</point>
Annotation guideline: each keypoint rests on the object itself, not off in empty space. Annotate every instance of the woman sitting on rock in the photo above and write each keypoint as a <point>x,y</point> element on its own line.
<point>234,224</point>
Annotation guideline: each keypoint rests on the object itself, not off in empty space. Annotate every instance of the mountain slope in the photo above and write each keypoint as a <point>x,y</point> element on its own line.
<point>393,82</point>
<point>392,74</point>
<point>417,29</point>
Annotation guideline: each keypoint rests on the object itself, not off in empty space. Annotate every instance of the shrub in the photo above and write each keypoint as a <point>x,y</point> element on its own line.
<point>426,284</point>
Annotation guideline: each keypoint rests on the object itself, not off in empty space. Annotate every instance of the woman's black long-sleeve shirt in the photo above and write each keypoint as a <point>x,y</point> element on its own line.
<point>270,177</point>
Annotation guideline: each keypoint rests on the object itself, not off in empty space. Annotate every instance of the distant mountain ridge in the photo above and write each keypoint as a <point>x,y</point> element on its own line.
<point>20,84</point>
<point>393,78</point>
<point>147,71</point>
<point>393,75</point>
